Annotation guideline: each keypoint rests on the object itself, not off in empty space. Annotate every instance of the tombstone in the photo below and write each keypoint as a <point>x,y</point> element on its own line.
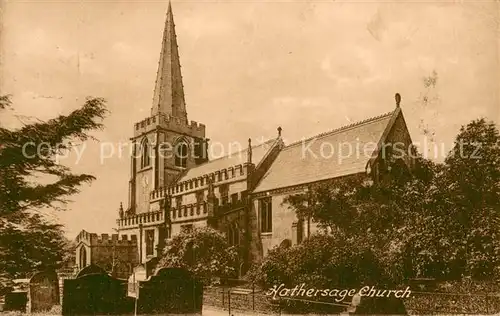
<point>16,301</point>
<point>170,291</point>
<point>139,274</point>
<point>91,269</point>
<point>96,294</point>
<point>43,291</point>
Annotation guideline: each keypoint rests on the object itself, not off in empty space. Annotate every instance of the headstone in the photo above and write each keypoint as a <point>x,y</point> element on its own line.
<point>170,291</point>
<point>91,269</point>
<point>137,276</point>
<point>96,294</point>
<point>16,301</point>
<point>43,291</point>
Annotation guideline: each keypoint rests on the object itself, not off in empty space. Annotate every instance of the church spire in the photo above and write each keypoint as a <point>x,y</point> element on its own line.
<point>168,95</point>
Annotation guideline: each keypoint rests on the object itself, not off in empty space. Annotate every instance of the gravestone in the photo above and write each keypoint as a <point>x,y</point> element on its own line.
<point>91,269</point>
<point>137,276</point>
<point>43,291</point>
<point>170,291</point>
<point>96,294</point>
<point>16,301</point>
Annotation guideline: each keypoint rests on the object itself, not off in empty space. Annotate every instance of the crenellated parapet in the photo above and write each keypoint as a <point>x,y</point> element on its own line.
<point>168,122</point>
<point>233,173</point>
<point>189,211</point>
<point>148,218</point>
<point>194,211</point>
<point>92,239</point>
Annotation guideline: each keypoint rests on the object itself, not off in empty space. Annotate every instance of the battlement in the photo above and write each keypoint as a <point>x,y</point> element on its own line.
<point>169,122</point>
<point>142,218</point>
<point>93,239</point>
<point>240,171</point>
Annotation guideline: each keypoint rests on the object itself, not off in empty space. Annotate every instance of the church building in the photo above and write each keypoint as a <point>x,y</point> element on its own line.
<point>174,186</point>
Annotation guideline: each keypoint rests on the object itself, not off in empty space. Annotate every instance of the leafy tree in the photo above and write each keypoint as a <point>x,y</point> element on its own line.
<point>69,255</point>
<point>453,232</point>
<point>28,240</point>
<point>203,251</point>
<point>442,221</point>
<point>19,163</point>
<point>473,184</point>
<point>37,244</point>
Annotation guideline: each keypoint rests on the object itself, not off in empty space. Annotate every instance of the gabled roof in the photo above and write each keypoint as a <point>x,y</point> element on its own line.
<point>312,159</point>
<point>231,160</point>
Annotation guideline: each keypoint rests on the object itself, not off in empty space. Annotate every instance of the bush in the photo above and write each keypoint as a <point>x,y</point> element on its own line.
<point>203,251</point>
<point>321,262</point>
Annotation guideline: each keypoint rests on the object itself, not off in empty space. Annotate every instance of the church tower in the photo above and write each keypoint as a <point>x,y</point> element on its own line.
<point>166,143</point>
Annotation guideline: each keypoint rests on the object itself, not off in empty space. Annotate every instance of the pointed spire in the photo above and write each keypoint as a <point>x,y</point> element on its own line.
<point>168,95</point>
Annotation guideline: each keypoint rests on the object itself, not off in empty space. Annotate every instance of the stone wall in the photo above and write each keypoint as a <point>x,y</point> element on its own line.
<point>101,250</point>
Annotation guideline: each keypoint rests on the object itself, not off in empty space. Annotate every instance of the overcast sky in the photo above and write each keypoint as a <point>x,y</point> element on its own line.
<point>248,67</point>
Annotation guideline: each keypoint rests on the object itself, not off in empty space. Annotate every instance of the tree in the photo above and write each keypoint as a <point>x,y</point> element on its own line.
<point>203,251</point>
<point>473,183</point>
<point>28,240</point>
<point>441,222</point>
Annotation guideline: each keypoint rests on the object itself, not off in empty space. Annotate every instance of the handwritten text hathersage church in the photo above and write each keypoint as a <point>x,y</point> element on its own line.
<point>366,291</point>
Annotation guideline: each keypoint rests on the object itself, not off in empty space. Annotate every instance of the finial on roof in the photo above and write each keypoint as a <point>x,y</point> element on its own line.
<point>120,211</point>
<point>249,154</point>
<point>398,99</point>
<point>279,131</point>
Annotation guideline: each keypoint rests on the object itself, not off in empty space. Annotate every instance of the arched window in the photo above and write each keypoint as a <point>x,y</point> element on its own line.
<point>181,154</point>
<point>83,257</point>
<point>233,235</point>
<point>145,153</point>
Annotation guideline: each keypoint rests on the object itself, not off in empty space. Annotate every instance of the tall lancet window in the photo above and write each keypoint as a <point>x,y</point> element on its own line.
<point>145,153</point>
<point>233,235</point>
<point>83,257</point>
<point>181,154</point>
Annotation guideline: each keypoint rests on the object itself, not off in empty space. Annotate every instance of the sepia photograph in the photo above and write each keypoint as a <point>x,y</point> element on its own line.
<point>249,157</point>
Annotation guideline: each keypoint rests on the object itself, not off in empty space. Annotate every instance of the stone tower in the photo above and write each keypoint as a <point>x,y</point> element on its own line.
<point>166,143</point>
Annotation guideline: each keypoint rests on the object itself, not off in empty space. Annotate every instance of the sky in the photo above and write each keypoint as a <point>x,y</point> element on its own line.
<point>248,67</point>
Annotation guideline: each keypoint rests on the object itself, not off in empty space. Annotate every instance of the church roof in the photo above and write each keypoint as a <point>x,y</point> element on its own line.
<point>312,159</point>
<point>168,97</point>
<point>231,160</point>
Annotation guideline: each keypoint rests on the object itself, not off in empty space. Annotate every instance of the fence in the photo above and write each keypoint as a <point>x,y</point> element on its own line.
<point>240,296</point>
<point>453,303</point>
